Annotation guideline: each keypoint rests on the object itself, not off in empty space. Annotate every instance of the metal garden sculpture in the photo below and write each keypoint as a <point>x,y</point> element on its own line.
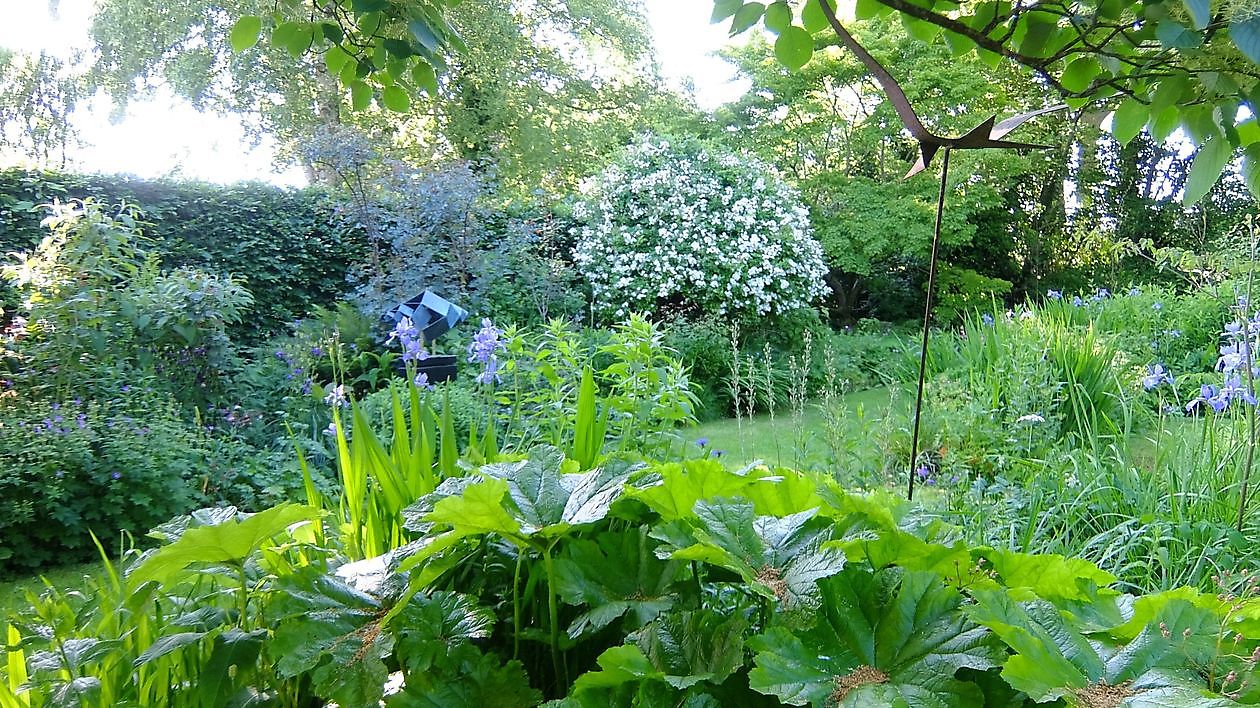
<point>988,134</point>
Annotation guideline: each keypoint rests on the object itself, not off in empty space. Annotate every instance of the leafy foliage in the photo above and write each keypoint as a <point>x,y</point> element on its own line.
<point>287,244</point>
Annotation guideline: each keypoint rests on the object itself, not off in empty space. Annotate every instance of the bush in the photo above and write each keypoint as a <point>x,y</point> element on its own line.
<point>681,228</point>
<point>122,464</point>
<point>289,244</point>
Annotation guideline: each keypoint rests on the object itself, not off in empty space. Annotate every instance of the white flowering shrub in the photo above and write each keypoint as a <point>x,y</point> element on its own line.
<point>682,227</point>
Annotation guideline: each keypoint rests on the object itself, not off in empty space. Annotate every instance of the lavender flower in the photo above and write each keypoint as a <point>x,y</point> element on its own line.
<point>1077,301</point>
<point>1135,291</point>
<point>702,442</point>
<point>1156,375</point>
<point>987,319</point>
<point>336,397</point>
<point>484,349</point>
<point>1233,356</point>
<point>410,339</point>
<point>422,381</point>
<point>1054,294</point>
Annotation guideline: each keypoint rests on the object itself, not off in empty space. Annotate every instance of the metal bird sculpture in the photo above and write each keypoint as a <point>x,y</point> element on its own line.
<point>988,134</point>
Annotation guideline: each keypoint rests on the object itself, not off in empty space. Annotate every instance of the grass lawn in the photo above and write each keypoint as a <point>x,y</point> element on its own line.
<point>813,439</point>
<point>13,592</point>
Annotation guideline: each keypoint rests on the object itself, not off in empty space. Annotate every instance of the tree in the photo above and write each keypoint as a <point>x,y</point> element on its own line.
<point>829,125</point>
<point>1160,64</point>
<point>37,95</point>
<point>535,90</point>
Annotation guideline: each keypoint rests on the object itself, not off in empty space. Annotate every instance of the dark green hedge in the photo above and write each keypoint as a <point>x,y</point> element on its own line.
<point>288,246</point>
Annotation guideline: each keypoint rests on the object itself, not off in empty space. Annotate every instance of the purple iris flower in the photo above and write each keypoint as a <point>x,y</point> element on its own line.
<point>1156,375</point>
<point>484,350</point>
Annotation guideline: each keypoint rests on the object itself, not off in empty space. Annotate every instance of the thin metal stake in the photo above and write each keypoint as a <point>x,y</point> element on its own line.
<point>927,321</point>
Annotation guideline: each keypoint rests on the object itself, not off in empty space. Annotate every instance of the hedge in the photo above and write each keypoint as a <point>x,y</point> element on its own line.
<point>288,246</point>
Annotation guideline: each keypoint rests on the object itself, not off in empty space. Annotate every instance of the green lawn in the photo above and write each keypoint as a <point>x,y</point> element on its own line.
<point>813,439</point>
<point>13,592</point>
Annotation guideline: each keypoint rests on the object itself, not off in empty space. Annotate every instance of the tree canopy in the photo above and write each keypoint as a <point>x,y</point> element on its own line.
<point>1159,65</point>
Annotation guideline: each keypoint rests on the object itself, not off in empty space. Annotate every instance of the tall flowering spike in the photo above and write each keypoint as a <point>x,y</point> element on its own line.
<point>410,339</point>
<point>486,345</point>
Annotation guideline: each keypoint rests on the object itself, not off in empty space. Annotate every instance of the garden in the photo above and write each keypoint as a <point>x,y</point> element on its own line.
<point>554,388</point>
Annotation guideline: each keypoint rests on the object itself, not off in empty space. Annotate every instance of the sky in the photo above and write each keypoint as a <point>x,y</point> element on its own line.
<point>165,136</point>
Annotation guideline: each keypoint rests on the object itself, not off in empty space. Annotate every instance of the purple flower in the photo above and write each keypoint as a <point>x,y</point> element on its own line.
<point>317,352</point>
<point>1157,306</point>
<point>987,319</point>
<point>1135,291</point>
<point>1232,356</point>
<point>702,442</point>
<point>331,429</point>
<point>716,453</point>
<point>422,381</point>
<point>484,349</point>
<point>306,387</point>
<point>1156,375</point>
<point>410,339</point>
<point>1077,301</point>
<point>1054,294</point>
<point>1234,389</point>
<point>115,475</point>
<point>336,397</point>
<point>923,472</point>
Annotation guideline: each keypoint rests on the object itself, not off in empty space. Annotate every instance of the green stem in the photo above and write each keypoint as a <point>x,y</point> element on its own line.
<point>553,617</point>
<point>243,598</point>
<point>516,605</point>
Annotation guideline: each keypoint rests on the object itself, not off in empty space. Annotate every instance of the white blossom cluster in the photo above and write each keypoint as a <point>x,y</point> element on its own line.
<point>686,225</point>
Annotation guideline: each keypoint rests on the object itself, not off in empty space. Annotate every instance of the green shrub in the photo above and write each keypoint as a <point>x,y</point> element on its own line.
<point>291,247</point>
<point>123,464</point>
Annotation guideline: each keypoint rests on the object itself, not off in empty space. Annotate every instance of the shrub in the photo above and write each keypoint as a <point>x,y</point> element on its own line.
<point>121,464</point>
<point>290,244</point>
<point>678,227</point>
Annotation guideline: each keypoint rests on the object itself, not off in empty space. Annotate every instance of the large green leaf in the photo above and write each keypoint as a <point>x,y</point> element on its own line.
<point>679,649</point>
<point>1052,660</point>
<point>891,638</point>
<point>794,47</point>
<point>328,629</point>
<point>614,576</point>
<point>432,627</point>
<point>1245,31</point>
<point>1214,154</point>
<point>231,541</point>
<point>544,500</point>
<point>683,484</point>
<point>245,33</point>
<point>233,658</point>
<point>779,558</point>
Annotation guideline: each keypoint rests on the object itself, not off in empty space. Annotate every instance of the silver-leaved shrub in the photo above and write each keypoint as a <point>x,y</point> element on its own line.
<point>676,226</point>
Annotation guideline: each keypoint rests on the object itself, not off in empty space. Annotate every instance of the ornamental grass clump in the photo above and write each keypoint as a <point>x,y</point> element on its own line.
<point>680,227</point>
